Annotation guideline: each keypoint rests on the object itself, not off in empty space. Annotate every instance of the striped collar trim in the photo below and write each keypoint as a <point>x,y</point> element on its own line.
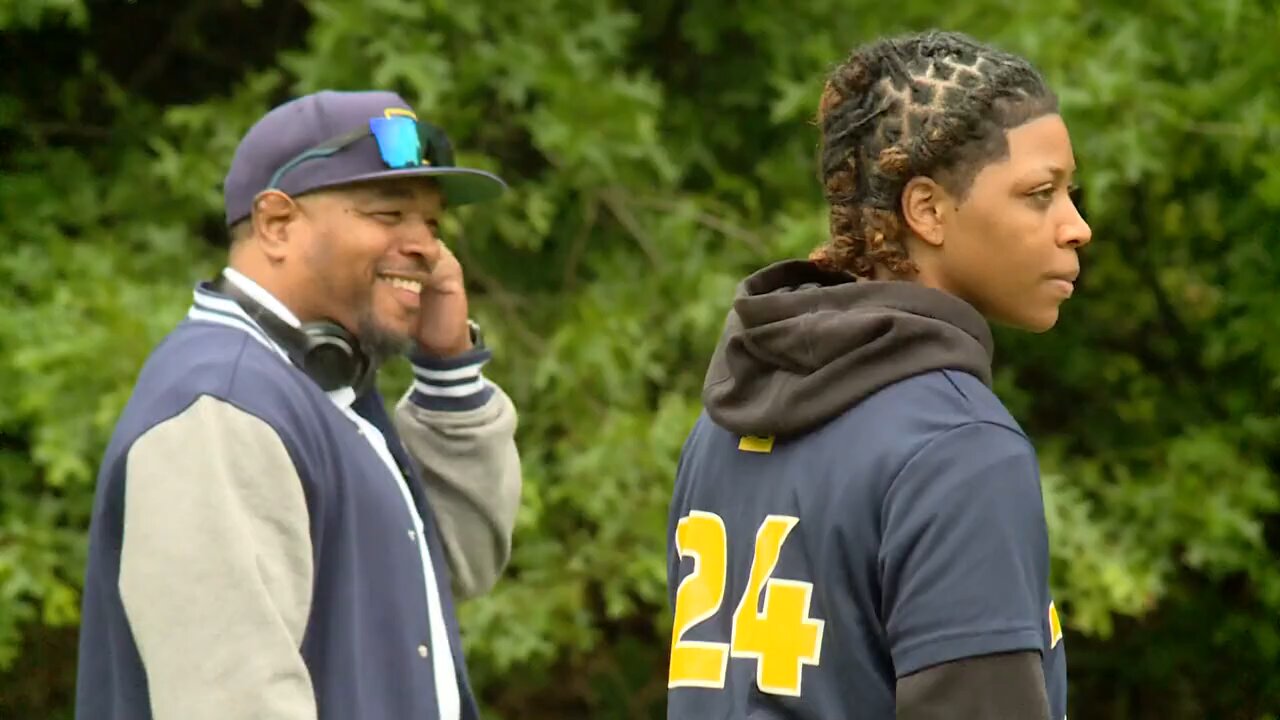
<point>212,307</point>
<point>261,296</point>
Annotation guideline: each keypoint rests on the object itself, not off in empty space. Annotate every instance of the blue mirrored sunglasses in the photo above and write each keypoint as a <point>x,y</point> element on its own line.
<point>402,143</point>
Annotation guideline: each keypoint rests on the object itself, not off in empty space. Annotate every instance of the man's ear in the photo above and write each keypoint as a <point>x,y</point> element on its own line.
<point>923,204</point>
<point>273,212</point>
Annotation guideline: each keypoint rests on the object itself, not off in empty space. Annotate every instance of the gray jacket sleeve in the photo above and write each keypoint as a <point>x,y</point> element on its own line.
<point>460,430</point>
<point>1007,686</point>
<point>216,567</point>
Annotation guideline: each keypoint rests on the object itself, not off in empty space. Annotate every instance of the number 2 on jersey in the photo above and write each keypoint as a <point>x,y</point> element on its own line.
<point>780,636</point>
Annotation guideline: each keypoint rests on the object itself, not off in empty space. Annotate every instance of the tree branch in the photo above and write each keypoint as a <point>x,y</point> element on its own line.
<point>45,129</point>
<point>590,211</point>
<point>707,220</point>
<point>182,29</point>
<point>1188,367</point>
<point>505,299</point>
<point>619,208</point>
<point>1147,271</point>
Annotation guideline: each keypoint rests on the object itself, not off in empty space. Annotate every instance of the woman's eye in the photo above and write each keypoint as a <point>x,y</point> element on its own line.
<point>1043,195</point>
<point>387,216</point>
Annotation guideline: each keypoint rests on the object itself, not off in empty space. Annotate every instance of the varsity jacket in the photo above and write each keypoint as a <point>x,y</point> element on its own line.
<point>260,548</point>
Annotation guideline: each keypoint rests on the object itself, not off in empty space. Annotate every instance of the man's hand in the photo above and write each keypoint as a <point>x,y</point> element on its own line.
<point>442,328</point>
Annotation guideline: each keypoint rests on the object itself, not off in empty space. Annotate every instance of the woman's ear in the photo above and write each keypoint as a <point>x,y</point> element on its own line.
<point>923,206</point>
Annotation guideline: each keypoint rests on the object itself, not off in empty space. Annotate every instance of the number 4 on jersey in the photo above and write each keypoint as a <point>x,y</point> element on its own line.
<point>780,636</point>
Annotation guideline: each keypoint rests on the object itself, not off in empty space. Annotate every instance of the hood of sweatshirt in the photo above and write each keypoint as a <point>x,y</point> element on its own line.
<point>802,345</point>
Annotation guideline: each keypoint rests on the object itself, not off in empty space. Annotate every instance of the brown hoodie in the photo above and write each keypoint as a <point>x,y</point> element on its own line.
<point>802,345</point>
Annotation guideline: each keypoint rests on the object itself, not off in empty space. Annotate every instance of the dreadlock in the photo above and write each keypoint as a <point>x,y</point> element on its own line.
<point>935,104</point>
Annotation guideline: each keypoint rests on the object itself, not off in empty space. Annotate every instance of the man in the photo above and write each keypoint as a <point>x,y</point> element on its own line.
<point>263,545</point>
<point>857,529</point>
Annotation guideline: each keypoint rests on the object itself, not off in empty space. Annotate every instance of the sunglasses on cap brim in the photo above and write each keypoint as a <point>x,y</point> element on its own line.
<point>403,142</point>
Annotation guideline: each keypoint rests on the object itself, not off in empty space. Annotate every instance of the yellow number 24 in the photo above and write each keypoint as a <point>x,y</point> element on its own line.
<point>780,636</point>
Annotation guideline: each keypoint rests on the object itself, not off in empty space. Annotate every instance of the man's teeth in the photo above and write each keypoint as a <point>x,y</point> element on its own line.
<point>403,284</point>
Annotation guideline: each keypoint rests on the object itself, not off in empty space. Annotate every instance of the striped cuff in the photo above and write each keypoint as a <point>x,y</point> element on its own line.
<point>450,383</point>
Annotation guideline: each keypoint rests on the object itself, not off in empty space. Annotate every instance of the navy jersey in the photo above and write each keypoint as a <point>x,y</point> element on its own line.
<point>808,574</point>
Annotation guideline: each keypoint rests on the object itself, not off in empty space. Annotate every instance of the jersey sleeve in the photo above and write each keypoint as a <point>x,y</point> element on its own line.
<point>964,555</point>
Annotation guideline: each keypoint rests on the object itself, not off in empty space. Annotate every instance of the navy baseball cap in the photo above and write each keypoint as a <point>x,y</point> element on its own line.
<point>332,138</point>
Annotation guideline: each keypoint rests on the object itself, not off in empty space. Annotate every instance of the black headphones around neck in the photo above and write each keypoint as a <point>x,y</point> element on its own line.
<point>324,350</point>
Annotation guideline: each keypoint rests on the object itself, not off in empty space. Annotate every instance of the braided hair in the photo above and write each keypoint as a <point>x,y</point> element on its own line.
<point>933,104</point>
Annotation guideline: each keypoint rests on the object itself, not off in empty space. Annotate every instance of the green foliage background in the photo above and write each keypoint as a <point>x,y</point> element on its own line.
<point>659,150</point>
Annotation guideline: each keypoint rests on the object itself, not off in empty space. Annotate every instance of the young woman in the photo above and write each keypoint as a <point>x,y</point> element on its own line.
<point>857,529</point>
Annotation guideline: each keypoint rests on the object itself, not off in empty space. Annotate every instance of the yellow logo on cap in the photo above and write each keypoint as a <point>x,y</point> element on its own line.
<point>404,112</point>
